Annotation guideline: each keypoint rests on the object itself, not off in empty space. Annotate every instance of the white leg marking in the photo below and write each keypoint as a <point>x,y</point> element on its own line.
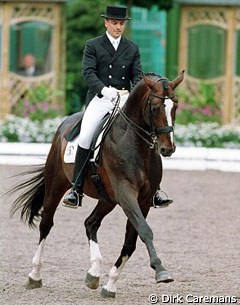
<point>168,107</point>
<point>114,275</point>
<point>95,258</point>
<point>37,261</point>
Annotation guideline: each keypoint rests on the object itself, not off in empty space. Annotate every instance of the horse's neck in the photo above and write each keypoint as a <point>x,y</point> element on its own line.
<point>134,106</point>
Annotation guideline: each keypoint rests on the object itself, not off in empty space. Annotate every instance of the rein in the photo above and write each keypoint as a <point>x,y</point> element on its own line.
<point>135,127</point>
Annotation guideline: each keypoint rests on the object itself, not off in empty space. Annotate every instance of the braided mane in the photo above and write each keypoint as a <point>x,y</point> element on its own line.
<point>140,77</point>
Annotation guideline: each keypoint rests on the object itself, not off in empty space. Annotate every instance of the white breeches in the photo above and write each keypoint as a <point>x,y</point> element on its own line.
<point>95,111</point>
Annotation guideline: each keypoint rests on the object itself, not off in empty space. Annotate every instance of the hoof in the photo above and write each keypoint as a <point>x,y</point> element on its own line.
<point>164,277</point>
<point>32,284</point>
<point>92,281</point>
<point>108,294</point>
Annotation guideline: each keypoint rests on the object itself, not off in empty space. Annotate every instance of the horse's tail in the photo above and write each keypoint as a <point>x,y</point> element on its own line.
<point>31,200</point>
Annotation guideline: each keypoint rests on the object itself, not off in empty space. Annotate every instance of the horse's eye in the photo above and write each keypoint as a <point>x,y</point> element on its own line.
<point>156,108</point>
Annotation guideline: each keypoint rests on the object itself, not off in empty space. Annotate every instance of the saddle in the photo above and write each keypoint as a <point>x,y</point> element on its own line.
<point>100,133</point>
<point>94,158</point>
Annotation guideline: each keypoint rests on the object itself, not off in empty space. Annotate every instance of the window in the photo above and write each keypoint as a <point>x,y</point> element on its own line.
<point>30,42</point>
<point>237,56</point>
<point>206,51</point>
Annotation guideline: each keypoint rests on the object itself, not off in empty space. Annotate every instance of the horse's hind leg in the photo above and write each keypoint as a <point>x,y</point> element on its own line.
<point>54,191</point>
<point>109,290</point>
<point>92,224</point>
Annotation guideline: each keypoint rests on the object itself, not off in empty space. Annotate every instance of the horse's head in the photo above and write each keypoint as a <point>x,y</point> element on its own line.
<point>160,110</point>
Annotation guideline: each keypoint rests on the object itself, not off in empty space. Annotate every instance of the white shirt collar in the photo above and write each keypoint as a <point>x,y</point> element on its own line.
<point>30,71</point>
<point>116,40</point>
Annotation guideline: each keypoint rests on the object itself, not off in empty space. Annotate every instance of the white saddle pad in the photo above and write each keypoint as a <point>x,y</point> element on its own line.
<point>71,149</point>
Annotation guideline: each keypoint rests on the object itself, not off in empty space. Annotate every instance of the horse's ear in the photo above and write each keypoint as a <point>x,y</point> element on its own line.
<point>177,80</point>
<point>149,82</point>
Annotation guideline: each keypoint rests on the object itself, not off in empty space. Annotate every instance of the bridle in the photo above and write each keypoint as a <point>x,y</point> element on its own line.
<point>159,130</point>
<point>154,131</point>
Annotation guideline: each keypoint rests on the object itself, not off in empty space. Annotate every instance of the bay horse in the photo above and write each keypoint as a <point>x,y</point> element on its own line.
<point>130,171</point>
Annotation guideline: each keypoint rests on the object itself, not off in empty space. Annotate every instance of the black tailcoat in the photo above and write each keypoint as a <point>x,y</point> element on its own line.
<point>103,66</point>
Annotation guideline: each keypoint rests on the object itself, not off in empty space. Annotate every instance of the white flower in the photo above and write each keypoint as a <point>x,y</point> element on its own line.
<point>18,129</point>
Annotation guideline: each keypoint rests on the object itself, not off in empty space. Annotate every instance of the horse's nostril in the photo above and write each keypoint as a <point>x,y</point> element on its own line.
<point>166,152</point>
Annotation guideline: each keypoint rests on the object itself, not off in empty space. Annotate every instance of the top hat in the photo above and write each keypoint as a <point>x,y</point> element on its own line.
<point>116,12</point>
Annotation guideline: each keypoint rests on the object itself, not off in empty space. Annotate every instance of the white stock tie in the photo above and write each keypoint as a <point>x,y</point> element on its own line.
<point>115,44</point>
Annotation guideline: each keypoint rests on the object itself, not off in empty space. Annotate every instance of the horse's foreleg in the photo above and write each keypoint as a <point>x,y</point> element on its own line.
<point>146,235</point>
<point>131,208</point>
<point>92,224</point>
<point>109,290</point>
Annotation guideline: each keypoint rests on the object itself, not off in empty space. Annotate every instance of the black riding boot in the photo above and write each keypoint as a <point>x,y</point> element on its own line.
<point>159,201</point>
<point>73,199</point>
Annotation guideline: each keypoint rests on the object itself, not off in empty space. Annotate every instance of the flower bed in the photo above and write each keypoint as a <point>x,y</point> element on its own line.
<point>208,135</point>
<point>16,129</point>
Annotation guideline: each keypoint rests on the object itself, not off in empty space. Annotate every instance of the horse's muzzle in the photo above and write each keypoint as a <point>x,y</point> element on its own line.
<point>167,151</point>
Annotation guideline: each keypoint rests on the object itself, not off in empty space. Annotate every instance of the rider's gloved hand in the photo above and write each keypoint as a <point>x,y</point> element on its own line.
<point>110,93</point>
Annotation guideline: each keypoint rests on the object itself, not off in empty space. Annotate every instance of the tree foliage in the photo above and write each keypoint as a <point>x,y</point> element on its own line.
<point>83,22</point>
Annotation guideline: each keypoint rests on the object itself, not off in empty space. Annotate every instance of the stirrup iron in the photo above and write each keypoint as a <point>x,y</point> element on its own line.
<point>69,204</point>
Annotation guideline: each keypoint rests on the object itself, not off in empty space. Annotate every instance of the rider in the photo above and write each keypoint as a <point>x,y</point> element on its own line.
<point>111,62</point>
